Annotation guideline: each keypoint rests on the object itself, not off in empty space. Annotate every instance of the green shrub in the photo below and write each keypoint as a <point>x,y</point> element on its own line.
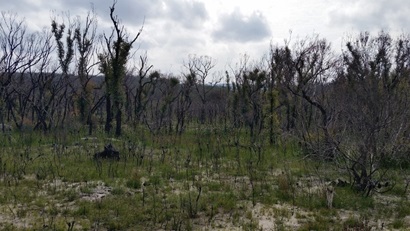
<point>398,223</point>
<point>117,191</point>
<point>133,183</point>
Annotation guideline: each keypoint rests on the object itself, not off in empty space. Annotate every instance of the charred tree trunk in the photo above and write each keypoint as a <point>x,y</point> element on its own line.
<point>108,115</point>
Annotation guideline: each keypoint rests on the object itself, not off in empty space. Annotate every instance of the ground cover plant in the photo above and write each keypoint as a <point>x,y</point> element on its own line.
<point>53,182</point>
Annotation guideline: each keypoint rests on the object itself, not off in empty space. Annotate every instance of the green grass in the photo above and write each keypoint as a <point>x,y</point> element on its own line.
<point>347,198</point>
<point>42,184</point>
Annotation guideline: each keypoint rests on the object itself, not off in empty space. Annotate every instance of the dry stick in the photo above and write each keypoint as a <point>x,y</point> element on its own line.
<point>70,225</point>
<point>151,160</point>
<point>11,210</point>
<point>329,196</point>
<point>250,167</point>
<point>407,186</point>
<point>143,196</point>
<point>212,214</point>
<point>197,198</point>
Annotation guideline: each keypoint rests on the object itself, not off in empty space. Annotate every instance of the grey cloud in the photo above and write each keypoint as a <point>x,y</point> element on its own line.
<point>190,14</point>
<point>238,27</point>
<point>166,21</point>
<point>368,15</point>
<point>128,11</point>
<point>186,13</point>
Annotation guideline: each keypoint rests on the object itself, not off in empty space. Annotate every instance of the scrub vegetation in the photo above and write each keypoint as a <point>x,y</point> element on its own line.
<point>303,139</point>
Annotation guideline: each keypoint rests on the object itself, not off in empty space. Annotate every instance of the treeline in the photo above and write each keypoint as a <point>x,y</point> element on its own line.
<point>351,107</point>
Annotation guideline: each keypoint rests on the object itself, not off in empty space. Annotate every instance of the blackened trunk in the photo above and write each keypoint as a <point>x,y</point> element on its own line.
<point>108,115</point>
<point>118,117</point>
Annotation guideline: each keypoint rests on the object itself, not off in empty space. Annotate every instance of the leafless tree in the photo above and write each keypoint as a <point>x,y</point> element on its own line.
<point>85,39</point>
<point>199,68</point>
<point>28,85</point>
<point>375,106</point>
<point>314,64</point>
<point>145,88</point>
<point>184,101</point>
<point>19,53</point>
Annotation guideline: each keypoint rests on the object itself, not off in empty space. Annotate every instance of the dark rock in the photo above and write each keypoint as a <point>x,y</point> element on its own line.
<point>109,153</point>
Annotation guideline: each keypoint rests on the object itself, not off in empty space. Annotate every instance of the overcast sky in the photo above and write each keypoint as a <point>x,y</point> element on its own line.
<point>223,29</point>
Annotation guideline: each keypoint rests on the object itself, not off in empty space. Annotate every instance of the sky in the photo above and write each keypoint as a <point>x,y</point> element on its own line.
<point>224,30</point>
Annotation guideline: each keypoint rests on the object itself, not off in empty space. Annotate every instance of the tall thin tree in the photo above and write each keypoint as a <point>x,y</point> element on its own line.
<point>113,64</point>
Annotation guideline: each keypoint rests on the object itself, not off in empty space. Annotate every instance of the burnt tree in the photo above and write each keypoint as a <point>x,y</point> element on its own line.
<point>113,64</point>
